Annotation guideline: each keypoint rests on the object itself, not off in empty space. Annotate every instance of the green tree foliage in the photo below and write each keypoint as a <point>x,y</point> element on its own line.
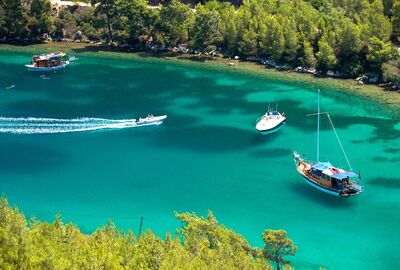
<point>272,40</point>
<point>14,242</point>
<point>396,17</point>
<point>40,20</point>
<point>352,8</point>
<point>341,35</point>
<point>350,45</point>
<point>70,21</point>
<point>206,32</point>
<point>379,52</point>
<point>205,238</point>
<point>326,58</point>
<point>277,245</point>
<point>291,41</point>
<point>349,39</point>
<point>2,20</point>
<point>248,44</point>
<point>108,8</point>
<point>141,22</point>
<point>227,24</point>
<point>306,18</point>
<point>201,243</point>
<point>387,6</point>
<point>173,23</point>
<point>374,23</point>
<point>14,21</point>
<point>306,55</point>
<point>391,73</point>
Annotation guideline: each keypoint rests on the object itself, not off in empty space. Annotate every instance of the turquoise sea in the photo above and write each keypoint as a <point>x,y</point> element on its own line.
<point>207,155</point>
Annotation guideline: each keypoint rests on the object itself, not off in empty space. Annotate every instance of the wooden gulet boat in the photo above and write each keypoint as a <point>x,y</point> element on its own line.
<point>323,175</point>
<point>47,62</point>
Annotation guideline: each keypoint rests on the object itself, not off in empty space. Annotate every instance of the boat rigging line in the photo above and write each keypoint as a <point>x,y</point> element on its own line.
<point>336,135</point>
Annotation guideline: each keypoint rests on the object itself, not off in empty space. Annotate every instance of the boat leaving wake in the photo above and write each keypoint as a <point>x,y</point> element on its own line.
<point>33,125</point>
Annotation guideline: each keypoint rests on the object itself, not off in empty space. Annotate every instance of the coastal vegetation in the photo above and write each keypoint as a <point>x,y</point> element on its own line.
<point>345,38</point>
<point>201,243</point>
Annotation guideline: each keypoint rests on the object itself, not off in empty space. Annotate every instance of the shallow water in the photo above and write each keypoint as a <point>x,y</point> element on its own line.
<point>207,155</point>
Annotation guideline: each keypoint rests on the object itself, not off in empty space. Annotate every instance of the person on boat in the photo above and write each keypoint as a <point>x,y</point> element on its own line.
<point>346,182</point>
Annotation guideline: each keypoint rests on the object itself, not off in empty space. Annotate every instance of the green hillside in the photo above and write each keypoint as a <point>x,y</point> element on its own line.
<point>348,38</point>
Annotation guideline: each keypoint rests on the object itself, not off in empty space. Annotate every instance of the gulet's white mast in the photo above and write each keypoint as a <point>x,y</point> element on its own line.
<point>318,128</point>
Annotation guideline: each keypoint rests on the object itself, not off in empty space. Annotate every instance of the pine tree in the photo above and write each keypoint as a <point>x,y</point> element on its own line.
<point>277,245</point>
<point>14,21</point>
<point>326,58</point>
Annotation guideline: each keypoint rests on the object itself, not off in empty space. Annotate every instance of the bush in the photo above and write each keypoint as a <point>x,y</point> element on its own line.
<point>200,243</point>
<point>391,73</point>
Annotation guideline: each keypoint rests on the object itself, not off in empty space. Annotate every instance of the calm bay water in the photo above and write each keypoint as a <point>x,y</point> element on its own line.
<point>207,155</point>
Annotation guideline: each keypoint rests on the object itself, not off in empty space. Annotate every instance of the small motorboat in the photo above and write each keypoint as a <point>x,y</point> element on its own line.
<point>151,120</point>
<point>48,62</point>
<point>270,122</point>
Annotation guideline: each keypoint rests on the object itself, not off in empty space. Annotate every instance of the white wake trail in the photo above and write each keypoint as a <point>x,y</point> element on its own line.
<point>32,125</point>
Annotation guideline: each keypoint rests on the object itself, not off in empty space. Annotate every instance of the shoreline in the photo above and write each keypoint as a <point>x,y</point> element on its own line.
<point>372,92</point>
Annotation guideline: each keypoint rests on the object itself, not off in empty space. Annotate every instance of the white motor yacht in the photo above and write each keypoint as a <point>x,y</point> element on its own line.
<point>270,122</point>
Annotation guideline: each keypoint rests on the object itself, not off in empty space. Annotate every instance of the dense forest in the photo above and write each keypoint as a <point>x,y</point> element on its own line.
<point>201,243</point>
<point>351,37</point>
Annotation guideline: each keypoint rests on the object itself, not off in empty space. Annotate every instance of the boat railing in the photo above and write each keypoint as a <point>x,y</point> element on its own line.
<point>268,114</point>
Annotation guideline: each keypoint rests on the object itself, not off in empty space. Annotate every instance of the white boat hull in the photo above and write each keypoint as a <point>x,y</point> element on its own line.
<point>151,121</point>
<point>271,122</point>
<point>272,130</point>
<point>46,69</point>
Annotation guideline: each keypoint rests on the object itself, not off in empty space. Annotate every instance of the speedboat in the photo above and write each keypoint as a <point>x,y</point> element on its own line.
<point>270,122</point>
<point>47,62</point>
<point>151,120</point>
